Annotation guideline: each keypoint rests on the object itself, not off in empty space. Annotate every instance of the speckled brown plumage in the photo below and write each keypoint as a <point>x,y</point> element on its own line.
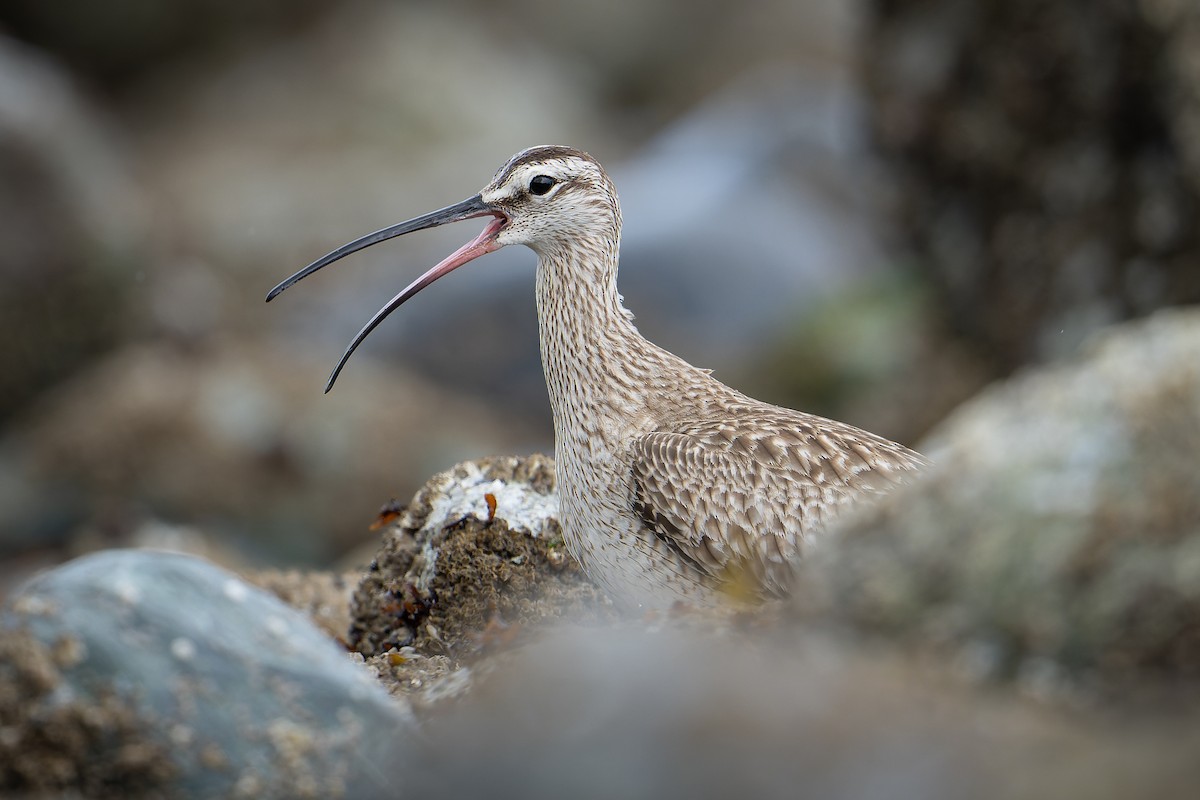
<point>672,486</point>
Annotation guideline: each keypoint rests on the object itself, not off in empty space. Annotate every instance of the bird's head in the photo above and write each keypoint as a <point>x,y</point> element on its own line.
<point>549,198</point>
<point>552,198</point>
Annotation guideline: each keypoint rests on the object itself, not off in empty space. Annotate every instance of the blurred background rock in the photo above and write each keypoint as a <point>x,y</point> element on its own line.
<point>866,209</point>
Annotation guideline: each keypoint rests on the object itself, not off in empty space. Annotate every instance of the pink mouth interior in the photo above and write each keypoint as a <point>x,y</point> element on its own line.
<point>482,244</point>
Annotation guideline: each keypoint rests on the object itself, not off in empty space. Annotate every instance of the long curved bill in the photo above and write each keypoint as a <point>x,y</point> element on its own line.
<point>484,243</point>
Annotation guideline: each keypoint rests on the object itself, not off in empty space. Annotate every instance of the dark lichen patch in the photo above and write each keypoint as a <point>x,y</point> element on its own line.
<point>78,746</point>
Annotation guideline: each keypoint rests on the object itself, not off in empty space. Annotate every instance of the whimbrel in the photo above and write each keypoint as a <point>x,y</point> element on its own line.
<point>672,486</point>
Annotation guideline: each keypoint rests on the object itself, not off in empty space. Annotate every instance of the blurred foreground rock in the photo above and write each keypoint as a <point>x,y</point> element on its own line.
<point>1021,623</point>
<point>1058,534</point>
<point>704,711</point>
<point>197,683</point>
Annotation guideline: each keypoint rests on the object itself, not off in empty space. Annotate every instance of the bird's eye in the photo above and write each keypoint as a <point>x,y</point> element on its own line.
<point>540,184</point>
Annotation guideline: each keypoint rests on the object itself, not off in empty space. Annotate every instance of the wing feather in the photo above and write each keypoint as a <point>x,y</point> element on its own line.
<point>739,495</point>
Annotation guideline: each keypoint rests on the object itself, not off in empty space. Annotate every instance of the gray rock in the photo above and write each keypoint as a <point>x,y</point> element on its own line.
<point>1058,534</point>
<point>772,712</point>
<point>1056,537</point>
<point>245,694</point>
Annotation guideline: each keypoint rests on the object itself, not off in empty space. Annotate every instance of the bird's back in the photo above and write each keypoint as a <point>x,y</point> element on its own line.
<point>738,487</point>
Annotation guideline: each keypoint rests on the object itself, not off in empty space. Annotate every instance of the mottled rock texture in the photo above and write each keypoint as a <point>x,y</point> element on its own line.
<point>1058,534</point>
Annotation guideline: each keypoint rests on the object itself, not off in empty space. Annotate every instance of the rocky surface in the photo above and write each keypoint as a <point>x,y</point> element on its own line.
<point>1023,622</point>
<point>1056,541</point>
<point>698,708</point>
<point>1047,157</point>
<point>187,157</point>
<point>55,742</point>
<point>158,674</point>
<point>456,564</point>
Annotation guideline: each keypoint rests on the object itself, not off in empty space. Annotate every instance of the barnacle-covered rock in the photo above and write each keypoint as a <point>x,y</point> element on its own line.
<point>455,562</point>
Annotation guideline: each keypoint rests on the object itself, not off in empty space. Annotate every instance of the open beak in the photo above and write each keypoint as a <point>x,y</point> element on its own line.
<point>484,243</point>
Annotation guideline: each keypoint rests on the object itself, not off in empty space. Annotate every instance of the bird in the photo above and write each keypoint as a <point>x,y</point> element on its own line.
<point>674,489</point>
